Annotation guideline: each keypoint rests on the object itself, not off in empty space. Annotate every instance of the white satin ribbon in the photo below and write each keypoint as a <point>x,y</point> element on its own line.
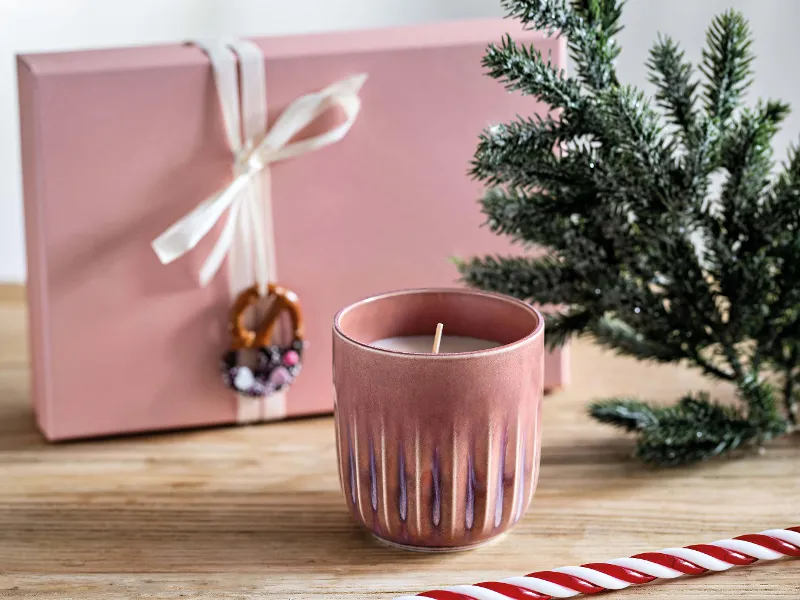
<point>247,237</point>
<point>248,227</point>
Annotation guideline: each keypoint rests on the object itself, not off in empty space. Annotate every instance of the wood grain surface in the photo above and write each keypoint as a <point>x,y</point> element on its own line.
<point>256,512</point>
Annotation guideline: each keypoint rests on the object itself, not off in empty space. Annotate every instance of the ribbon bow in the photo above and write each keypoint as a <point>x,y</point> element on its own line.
<point>248,206</point>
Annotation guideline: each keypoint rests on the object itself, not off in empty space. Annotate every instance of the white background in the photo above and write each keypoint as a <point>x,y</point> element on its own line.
<point>37,25</point>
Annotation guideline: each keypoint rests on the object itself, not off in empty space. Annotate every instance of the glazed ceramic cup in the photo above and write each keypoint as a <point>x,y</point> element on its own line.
<point>438,451</point>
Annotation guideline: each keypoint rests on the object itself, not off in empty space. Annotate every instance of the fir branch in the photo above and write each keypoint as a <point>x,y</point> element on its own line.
<point>779,216</point>
<point>517,214</point>
<point>726,64</point>
<point>778,220</point>
<point>552,16</point>
<point>629,120</point>
<point>700,159</point>
<point>634,144</point>
<point>762,408</point>
<point>543,278</point>
<point>792,411</point>
<point>789,378</point>
<point>640,256</point>
<point>560,327</point>
<point>545,220</point>
<point>521,153</point>
<point>774,112</point>
<point>675,88</point>
<point>747,149</point>
<point>629,414</point>
<point>783,329</point>
<point>621,337</point>
<point>674,264</point>
<point>710,368</point>
<point>523,68</point>
<point>693,430</point>
<point>591,41</point>
<point>605,14</point>
<point>590,27</point>
<point>786,189</point>
<point>736,236</point>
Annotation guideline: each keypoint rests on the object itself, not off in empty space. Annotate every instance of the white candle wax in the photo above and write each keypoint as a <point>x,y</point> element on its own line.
<point>424,343</point>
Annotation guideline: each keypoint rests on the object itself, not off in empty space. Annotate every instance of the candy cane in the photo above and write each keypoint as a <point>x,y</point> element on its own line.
<point>669,563</point>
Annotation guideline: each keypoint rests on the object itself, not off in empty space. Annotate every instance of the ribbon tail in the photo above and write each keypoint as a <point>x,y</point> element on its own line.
<point>221,248</point>
<point>187,232</point>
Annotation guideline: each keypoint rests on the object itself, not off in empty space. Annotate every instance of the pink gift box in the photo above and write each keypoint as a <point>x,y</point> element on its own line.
<point>118,144</point>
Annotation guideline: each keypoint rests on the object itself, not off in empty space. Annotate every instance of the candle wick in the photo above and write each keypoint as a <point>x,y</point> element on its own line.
<point>437,339</point>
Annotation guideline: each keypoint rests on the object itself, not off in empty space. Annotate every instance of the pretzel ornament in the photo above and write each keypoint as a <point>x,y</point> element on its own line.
<point>276,366</point>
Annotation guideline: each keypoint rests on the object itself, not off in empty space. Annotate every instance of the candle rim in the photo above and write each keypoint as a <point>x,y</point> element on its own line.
<point>537,331</point>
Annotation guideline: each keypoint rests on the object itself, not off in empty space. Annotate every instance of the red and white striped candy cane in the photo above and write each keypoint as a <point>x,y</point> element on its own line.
<point>591,578</point>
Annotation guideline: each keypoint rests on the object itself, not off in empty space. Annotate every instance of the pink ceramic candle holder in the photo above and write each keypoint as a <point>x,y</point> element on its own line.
<point>438,451</point>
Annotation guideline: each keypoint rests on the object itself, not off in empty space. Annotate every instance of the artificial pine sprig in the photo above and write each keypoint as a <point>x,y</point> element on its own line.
<point>675,87</point>
<point>641,254</point>
<point>726,64</point>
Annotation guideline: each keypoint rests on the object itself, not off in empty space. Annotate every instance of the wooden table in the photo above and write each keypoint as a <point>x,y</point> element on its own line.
<point>256,512</point>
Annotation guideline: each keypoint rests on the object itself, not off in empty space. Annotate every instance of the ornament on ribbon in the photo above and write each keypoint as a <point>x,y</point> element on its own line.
<point>247,238</point>
<point>276,366</point>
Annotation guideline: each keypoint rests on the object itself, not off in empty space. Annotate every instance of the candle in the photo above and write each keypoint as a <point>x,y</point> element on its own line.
<point>422,344</point>
<point>438,444</point>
